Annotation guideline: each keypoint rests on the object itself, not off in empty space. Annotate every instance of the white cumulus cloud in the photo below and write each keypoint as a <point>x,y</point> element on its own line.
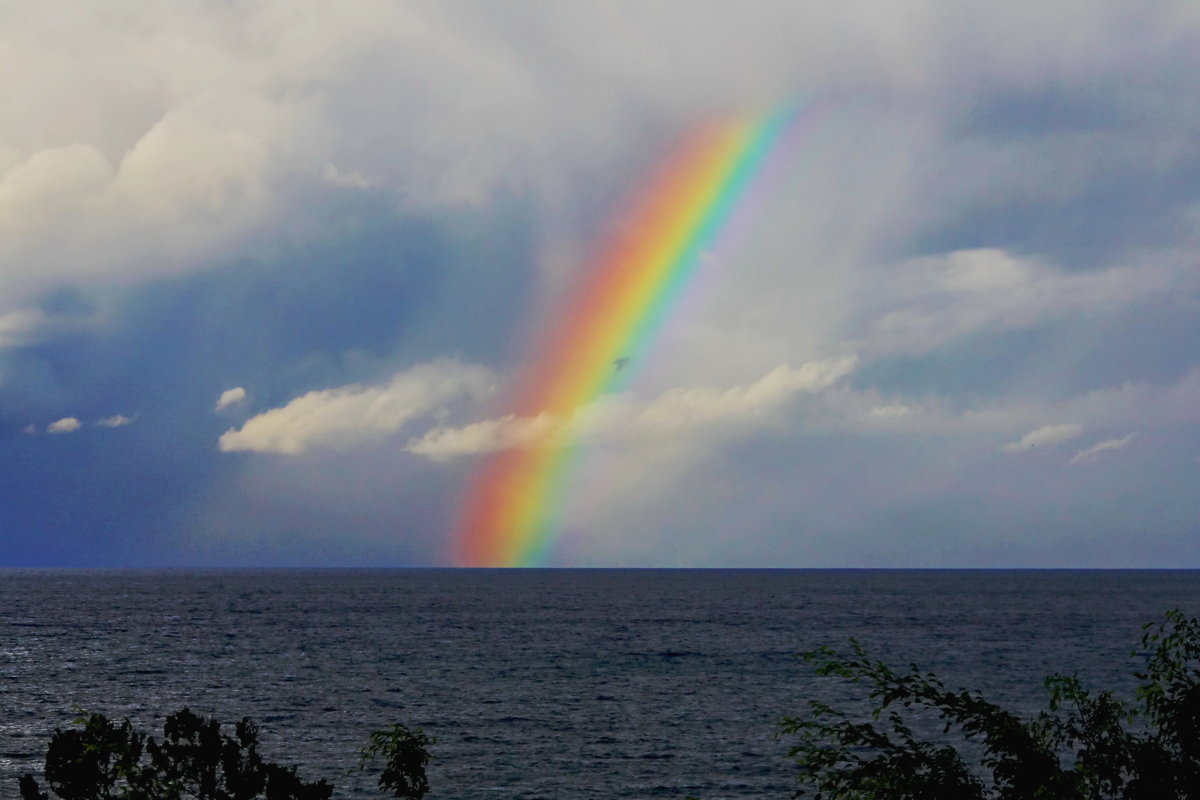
<point>230,396</point>
<point>64,425</point>
<point>695,406</point>
<point>1093,452</point>
<point>115,421</point>
<point>486,436</point>
<point>676,410</point>
<point>1047,434</point>
<point>350,415</point>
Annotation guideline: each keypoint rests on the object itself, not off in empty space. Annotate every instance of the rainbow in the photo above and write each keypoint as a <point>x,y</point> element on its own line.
<point>508,517</point>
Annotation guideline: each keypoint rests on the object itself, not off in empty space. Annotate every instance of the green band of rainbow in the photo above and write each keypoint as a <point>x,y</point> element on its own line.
<point>509,516</point>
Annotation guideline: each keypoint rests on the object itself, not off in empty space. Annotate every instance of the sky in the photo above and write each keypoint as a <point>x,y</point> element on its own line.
<point>271,272</point>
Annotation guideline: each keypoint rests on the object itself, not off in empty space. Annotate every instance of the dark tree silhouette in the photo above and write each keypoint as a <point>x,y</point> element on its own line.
<point>405,756</point>
<point>105,760</point>
<point>1084,746</point>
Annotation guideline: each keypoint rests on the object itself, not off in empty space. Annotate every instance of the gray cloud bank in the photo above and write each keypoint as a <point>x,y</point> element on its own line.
<point>187,129</point>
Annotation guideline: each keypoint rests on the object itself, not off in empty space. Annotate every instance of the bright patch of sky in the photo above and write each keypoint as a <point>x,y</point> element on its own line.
<point>343,228</point>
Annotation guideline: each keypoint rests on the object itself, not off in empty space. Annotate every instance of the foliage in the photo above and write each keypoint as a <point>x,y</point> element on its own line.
<point>1083,746</point>
<point>105,760</point>
<point>405,754</point>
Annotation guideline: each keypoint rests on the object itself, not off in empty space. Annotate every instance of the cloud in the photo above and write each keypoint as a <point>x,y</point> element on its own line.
<point>1047,434</point>
<point>64,425</point>
<point>17,326</point>
<point>350,415</point>
<point>1142,403</point>
<point>846,409</point>
<point>72,424</point>
<point>684,408</point>
<point>351,180</point>
<point>160,135</point>
<point>160,152</point>
<point>230,396</point>
<point>930,301</point>
<point>891,411</point>
<point>621,417</point>
<point>487,436</point>
<point>1093,453</point>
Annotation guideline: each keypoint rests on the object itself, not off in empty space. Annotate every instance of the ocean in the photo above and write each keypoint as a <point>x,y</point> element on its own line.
<point>551,684</point>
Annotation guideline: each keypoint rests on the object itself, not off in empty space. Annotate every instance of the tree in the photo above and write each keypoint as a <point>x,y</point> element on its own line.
<point>1083,746</point>
<point>105,760</point>
<point>405,756</point>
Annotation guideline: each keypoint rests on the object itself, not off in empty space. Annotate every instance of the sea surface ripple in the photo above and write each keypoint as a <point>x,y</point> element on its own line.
<point>551,684</point>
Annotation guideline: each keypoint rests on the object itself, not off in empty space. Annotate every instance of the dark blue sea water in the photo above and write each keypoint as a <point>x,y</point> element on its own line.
<point>556,684</point>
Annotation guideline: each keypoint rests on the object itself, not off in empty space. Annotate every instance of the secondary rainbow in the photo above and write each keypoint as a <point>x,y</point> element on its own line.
<point>508,515</point>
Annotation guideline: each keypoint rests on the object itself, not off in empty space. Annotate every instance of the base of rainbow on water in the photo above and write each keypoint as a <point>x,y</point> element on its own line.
<point>509,512</point>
